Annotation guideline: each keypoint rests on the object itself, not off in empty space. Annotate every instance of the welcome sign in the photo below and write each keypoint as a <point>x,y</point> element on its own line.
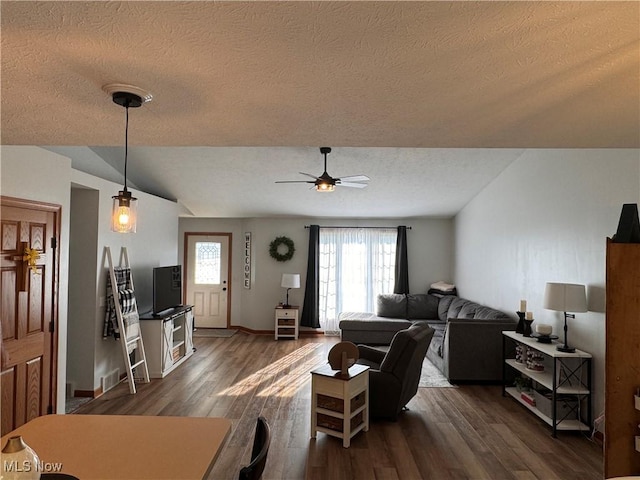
<point>247,260</point>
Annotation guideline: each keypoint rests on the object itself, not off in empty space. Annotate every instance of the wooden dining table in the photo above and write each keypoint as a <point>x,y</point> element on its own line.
<point>104,447</point>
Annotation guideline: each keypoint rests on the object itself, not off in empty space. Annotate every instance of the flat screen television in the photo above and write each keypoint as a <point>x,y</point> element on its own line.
<point>167,288</point>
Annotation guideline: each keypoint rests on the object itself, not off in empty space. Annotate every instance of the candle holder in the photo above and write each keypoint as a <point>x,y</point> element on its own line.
<point>520,327</point>
<point>527,327</point>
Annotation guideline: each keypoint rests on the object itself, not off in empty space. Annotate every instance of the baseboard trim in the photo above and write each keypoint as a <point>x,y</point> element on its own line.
<point>310,333</point>
<point>251,331</point>
<point>97,392</point>
<point>88,393</point>
<point>598,436</point>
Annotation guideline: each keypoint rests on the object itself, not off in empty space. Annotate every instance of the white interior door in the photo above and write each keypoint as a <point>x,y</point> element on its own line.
<point>208,279</point>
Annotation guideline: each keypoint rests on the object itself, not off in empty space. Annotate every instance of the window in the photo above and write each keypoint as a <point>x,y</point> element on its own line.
<point>355,265</point>
<point>207,263</point>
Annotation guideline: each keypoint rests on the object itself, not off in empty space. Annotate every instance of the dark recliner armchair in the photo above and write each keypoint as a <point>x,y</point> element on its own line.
<point>395,374</point>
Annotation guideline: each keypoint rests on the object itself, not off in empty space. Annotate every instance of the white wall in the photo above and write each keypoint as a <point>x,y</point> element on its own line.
<point>83,241</point>
<point>546,218</point>
<point>154,244</point>
<point>430,245</point>
<point>35,174</point>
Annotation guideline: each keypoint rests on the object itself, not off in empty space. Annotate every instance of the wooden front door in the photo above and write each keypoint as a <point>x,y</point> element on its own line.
<point>207,278</point>
<point>28,292</point>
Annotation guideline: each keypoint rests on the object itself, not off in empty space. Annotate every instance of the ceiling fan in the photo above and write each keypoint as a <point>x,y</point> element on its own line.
<point>327,183</point>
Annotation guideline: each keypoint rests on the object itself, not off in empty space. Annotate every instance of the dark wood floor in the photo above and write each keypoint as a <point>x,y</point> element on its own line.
<point>470,432</point>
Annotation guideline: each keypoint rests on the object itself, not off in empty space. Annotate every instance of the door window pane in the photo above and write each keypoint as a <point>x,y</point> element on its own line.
<point>207,263</point>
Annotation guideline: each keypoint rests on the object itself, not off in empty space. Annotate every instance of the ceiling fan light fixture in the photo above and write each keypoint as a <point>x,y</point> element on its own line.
<point>325,187</point>
<point>327,183</point>
<point>124,211</point>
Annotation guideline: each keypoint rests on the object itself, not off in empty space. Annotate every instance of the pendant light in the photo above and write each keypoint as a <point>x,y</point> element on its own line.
<point>125,205</point>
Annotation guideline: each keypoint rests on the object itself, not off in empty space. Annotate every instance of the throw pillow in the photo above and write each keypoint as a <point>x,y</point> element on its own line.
<point>422,307</point>
<point>393,305</point>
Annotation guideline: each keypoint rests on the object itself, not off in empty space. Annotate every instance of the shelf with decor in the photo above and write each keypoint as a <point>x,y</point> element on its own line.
<point>566,425</point>
<point>564,376</point>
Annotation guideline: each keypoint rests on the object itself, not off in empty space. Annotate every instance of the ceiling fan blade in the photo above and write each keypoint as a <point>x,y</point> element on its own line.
<point>351,184</point>
<point>308,175</point>
<point>294,181</point>
<point>355,178</point>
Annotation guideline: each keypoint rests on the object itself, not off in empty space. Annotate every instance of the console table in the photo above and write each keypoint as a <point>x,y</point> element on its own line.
<point>565,375</point>
<point>340,403</point>
<point>168,339</point>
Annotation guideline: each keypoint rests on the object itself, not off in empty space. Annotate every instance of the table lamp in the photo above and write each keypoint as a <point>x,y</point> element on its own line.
<point>565,297</point>
<point>289,281</point>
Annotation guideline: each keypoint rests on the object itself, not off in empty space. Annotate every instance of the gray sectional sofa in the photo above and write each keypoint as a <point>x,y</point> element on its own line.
<point>466,346</point>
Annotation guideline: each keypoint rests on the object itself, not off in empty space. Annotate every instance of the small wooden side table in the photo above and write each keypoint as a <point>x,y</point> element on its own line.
<point>286,325</point>
<point>340,403</point>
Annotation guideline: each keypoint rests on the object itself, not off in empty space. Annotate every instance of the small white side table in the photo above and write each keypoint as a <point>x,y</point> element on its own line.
<point>340,403</point>
<point>286,325</point>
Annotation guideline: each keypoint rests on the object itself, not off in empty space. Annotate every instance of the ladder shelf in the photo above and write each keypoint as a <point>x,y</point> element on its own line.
<point>130,333</point>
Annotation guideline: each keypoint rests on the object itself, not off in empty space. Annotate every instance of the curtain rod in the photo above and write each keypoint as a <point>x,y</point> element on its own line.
<point>346,226</point>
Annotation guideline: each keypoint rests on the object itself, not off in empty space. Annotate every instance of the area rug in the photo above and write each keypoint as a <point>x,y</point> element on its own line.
<point>214,332</point>
<point>74,403</point>
<point>431,376</point>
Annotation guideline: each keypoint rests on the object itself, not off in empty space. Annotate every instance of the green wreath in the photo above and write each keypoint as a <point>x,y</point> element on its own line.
<point>275,245</point>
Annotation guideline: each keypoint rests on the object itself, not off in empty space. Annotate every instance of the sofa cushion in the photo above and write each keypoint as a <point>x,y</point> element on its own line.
<point>422,307</point>
<point>438,337</point>
<point>455,307</point>
<point>375,325</point>
<point>443,307</point>
<point>488,313</point>
<point>468,310</point>
<point>393,305</point>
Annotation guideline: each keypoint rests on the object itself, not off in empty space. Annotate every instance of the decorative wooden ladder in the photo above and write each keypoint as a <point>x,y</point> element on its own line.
<point>125,341</point>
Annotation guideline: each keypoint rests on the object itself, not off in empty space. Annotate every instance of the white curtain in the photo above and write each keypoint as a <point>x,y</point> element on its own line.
<point>356,264</point>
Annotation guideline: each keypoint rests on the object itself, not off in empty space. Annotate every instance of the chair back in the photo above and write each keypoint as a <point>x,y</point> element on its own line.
<point>261,442</point>
<point>405,356</point>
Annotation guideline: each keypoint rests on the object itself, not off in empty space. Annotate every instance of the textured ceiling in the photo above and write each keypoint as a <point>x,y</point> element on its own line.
<point>392,82</point>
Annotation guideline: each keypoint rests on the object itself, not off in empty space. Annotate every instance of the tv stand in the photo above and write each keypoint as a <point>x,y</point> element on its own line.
<point>168,337</point>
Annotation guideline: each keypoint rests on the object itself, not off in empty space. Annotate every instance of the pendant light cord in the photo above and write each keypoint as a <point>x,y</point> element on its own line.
<point>126,143</point>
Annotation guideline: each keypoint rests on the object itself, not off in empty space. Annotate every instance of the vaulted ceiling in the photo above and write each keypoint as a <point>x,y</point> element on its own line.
<point>431,100</point>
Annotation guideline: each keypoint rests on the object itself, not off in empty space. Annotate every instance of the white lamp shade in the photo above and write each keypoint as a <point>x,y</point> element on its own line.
<point>565,297</point>
<point>290,280</point>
